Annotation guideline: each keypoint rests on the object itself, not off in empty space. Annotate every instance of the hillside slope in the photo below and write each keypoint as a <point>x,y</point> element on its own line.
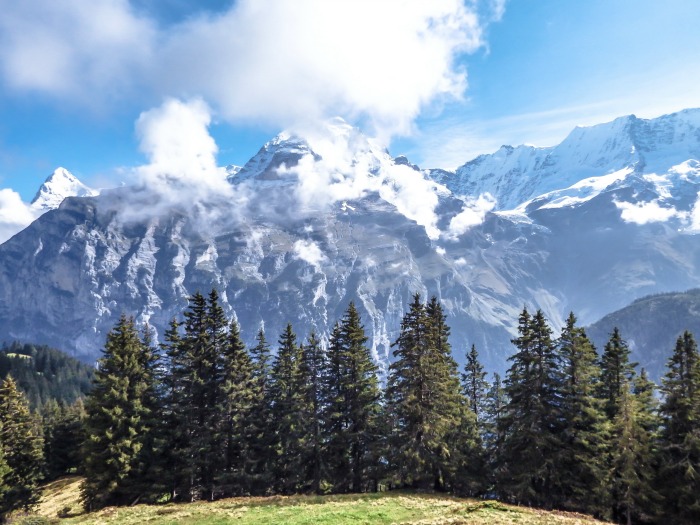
<point>380,508</point>
<point>651,325</point>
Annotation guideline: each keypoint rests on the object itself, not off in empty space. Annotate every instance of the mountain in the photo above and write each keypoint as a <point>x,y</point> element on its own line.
<point>312,222</point>
<point>650,326</point>
<point>59,185</point>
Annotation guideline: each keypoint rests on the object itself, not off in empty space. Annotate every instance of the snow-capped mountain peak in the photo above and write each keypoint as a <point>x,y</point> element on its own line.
<point>59,185</point>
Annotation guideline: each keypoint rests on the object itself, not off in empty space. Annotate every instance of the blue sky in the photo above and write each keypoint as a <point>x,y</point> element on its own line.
<point>75,76</point>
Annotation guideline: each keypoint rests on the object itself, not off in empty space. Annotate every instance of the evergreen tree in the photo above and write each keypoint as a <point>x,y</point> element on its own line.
<point>117,420</point>
<point>532,421</point>
<point>631,474</point>
<point>425,401</point>
<point>288,407</point>
<point>261,431</point>
<point>616,370</point>
<point>493,427</point>
<point>238,403</point>
<point>679,476</point>
<point>335,413</point>
<point>361,391</point>
<point>174,428</point>
<point>63,436</point>
<point>584,433</point>
<point>21,450</point>
<point>198,378</point>
<point>312,366</point>
<point>474,383</point>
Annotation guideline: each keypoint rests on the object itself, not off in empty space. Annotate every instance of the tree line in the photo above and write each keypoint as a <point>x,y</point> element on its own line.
<point>201,416</point>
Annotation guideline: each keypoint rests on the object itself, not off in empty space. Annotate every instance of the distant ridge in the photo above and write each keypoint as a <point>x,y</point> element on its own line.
<point>651,326</point>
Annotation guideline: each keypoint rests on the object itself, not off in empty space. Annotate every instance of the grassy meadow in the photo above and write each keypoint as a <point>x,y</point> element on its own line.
<point>61,498</point>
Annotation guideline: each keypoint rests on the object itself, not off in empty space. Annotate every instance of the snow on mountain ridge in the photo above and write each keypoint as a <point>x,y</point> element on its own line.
<point>59,185</point>
<point>515,175</point>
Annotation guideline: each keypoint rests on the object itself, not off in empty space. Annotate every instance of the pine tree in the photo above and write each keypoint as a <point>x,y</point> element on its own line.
<point>198,379</point>
<point>631,474</point>
<point>261,431</point>
<point>63,435</point>
<point>679,476</point>
<point>532,420</point>
<point>238,404</point>
<point>287,411</point>
<point>584,432</point>
<point>425,401</point>
<point>335,413</point>
<point>312,366</point>
<point>616,370</point>
<point>117,420</point>
<point>474,383</point>
<point>21,451</point>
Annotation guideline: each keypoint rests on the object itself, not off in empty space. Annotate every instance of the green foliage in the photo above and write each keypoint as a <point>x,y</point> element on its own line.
<point>584,434</point>
<point>45,374</point>
<point>118,420</point>
<point>474,383</point>
<point>289,406</point>
<point>425,402</point>
<point>616,372</point>
<point>21,450</point>
<point>532,424</point>
<point>679,454</point>
<point>64,434</point>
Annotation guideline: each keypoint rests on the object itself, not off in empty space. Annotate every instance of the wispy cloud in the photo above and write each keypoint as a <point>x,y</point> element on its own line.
<point>262,60</point>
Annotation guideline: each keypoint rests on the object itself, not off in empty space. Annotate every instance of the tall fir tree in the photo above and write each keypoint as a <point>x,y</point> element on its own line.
<point>474,383</point>
<point>425,401</point>
<point>238,398</point>
<point>335,414</point>
<point>585,429</point>
<point>532,421</point>
<point>21,450</point>
<point>616,371</point>
<point>312,366</point>
<point>631,473</point>
<point>261,431</point>
<point>117,421</point>
<point>63,435</point>
<point>679,454</point>
<point>288,407</point>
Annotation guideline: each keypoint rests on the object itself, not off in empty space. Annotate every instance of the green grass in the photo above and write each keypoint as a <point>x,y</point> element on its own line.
<point>398,507</point>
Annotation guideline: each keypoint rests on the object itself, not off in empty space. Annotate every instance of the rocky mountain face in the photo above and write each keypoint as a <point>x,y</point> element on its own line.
<point>311,223</point>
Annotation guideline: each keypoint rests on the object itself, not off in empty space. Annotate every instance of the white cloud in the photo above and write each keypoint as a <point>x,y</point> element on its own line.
<point>646,212</point>
<point>263,60</point>
<point>84,51</point>
<point>473,214</point>
<point>15,214</point>
<point>182,172</point>
<point>310,252</point>
<point>346,166</point>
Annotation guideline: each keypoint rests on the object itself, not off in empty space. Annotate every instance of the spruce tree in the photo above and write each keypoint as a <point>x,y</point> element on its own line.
<point>631,473</point>
<point>474,383</point>
<point>312,366</point>
<point>117,421</point>
<point>425,401</point>
<point>585,429</point>
<point>237,403</point>
<point>532,421</point>
<point>335,413</point>
<point>21,450</point>
<point>616,370</point>
<point>679,454</point>
<point>261,430</point>
<point>63,436</point>
<point>288,409</point>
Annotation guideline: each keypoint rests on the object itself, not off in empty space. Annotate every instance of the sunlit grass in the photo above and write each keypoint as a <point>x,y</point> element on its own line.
<point>384,508</point>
